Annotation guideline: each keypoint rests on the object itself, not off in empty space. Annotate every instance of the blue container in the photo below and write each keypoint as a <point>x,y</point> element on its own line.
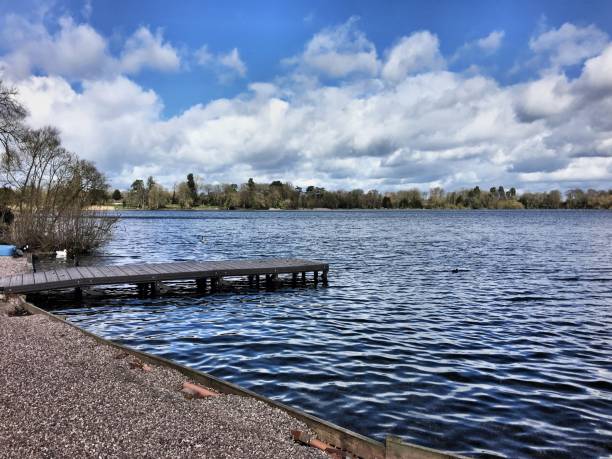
<point>7,250</point>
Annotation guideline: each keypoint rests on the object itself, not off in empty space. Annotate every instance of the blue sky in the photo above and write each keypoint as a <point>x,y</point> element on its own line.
<point>305,91</point>
<point>267,32</point>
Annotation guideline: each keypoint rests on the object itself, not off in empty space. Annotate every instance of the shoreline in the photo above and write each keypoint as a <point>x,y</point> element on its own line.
<point>65,394</point>
<point>325,209</point>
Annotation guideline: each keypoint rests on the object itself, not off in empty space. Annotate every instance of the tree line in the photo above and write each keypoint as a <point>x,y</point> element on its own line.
<point>194,192</point>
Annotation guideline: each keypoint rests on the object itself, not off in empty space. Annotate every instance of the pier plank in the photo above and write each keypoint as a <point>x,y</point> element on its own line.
<point>148,272</point>
<point>46,276</point>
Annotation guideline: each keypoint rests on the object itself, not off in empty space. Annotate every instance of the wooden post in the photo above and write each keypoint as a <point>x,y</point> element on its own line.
<point>201,284</point>
<point>153,288</point>
<point>158,287</point>
<point>215,283</point>
<point>293,279</point>
<point>250,280</point>
<point>303,277</point>
<point>316,277</point>
<point>324,277</point>
<point>257,280</point>
<point>78,292</point>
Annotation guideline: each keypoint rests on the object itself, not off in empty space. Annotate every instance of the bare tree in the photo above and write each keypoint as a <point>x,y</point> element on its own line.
<point>12,114</point>
<point>50,186</point>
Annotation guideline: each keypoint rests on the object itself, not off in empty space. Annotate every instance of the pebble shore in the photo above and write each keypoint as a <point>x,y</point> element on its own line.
<point>63,394</point>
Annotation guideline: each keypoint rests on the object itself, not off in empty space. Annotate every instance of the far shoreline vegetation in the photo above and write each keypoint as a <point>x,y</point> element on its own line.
<point>195,194</point>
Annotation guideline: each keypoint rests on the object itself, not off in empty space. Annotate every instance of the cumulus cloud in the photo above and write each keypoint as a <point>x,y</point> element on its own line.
<point>78,51</point>
<point>338,52</point>
<point>232,62</point>
<point>75,50</point>
<point>569,44</point>
<point>478,49</point>
<point>145,49</point>
<point>398,121</point>
<point>597,74</point>
<point>491,42</point>
<point>227,66</point>
<point>545,97</point>
<point>420,52</point>
<point>107,122</point>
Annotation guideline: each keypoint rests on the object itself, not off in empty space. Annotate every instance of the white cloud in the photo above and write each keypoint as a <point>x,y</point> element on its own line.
<point>598,71</point>
<point>569,44</point>
<point>414,54</point>
<point>146,50</point>
<point>404,122</point>
<point>550,95</point>
<point>227,66</point>
<point>232,62</point>
<point>78,51</point>
<point>87,9</point>
<point>75,51</point>
<point>491,42</point>
<point>338,52</point>
<point>203,55</point>
<point>579,170</point>
<point>108,121</point>
<point>477,49</point>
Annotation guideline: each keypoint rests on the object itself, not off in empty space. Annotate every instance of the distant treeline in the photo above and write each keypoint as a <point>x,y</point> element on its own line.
<point>278,195</point>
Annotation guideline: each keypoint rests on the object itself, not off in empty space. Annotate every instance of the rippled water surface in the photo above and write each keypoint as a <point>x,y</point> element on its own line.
<point>484,333</point>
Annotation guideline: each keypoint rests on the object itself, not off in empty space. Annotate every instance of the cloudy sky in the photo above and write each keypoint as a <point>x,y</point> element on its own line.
<point>338,94</point>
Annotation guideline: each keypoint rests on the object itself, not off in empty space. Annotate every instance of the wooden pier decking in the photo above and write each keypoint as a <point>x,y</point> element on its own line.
<point>150,275</point>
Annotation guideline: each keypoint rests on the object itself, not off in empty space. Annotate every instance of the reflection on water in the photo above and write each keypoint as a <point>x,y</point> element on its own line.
<point>485,333</point>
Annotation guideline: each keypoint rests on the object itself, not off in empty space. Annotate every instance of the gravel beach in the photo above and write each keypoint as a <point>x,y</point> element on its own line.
<point>62,394</point>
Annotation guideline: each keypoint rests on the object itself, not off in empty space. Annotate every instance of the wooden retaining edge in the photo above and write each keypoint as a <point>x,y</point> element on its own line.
<point>353,442</point>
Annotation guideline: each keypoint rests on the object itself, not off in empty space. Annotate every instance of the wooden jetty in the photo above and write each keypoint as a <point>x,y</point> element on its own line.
<point>149,276</point>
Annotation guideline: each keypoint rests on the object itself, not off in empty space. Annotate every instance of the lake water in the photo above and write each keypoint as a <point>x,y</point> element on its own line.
<point>487,333</point>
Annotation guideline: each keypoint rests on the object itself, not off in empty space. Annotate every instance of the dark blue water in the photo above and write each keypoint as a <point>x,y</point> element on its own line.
<point>481,332</point>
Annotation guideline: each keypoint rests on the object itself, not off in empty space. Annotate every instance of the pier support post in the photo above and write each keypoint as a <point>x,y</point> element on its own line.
<point>324,277</point>
<point>78,292</point>
<point>271,280</point>
<point>215,283</point>
<point>142,289</point>
<point>293,279</point>
<point>303,277</point>
<point>201,284</point>
<point>257,280</point>
<point>250,277</point>
<point>158,287</point>
<point>316,277</point>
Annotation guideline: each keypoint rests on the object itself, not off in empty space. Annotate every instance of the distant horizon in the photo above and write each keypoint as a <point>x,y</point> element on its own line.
<point>258,196</point>
<point>342,96</point>
<point>365,190</point>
